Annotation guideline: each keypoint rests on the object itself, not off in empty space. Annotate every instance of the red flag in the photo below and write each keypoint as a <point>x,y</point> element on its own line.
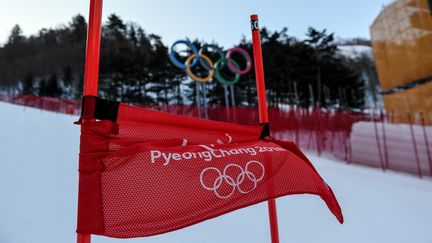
<point>145,172</point>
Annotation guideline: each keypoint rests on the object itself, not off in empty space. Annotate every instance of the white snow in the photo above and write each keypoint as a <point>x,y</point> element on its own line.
<point>38,188</point>
<point>354,51</point>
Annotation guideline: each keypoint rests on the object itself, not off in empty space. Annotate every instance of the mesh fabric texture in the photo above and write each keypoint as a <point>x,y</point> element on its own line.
<point>151,172</point>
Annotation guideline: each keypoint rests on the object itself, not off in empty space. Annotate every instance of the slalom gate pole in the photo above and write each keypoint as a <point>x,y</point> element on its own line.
<point>83,238</point>
<point>91,76</point>
<point>263,113</point>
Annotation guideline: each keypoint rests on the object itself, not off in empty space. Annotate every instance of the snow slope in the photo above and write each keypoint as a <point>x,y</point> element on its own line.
<point>38,187</point>
<point>354,51</point>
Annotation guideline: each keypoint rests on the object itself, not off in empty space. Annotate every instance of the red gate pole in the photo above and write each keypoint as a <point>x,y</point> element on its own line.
<point>91,76</point>
<point>263,113</point>
<point>83,238</point>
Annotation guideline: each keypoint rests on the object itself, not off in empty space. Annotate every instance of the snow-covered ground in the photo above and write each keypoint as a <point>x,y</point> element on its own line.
<point>38,188</point>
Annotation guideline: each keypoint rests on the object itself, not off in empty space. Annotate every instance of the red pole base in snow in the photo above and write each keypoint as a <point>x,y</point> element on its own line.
<point>274,229</point>
<point>83,238</point>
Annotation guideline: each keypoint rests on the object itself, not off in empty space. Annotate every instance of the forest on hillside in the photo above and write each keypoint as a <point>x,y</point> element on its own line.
<point>135,67</point>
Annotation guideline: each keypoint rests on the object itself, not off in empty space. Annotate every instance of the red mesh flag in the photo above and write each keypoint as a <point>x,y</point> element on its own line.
<point>145,172</point>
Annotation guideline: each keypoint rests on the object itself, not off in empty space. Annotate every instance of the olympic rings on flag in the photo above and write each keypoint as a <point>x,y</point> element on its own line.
<point>214,69</point>
<point>235,183</point>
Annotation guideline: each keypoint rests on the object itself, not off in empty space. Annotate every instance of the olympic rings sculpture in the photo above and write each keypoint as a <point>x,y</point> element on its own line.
<point>235,183</point>
<point>214,69</point>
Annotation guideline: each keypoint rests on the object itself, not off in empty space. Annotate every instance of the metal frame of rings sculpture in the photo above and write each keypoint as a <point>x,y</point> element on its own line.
<point>214,69</point>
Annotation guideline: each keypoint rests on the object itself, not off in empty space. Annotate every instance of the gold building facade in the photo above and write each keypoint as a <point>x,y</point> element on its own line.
<point>402,45</point>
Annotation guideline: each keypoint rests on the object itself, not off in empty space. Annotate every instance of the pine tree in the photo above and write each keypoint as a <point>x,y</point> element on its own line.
<point>78,29</point>
<point>115,28</point>
<point>43,87</point>
<point>52,87</point>
<point>135,67</point>
<point>28,85</point>
<point>67,75</point>
<point>15,36</point>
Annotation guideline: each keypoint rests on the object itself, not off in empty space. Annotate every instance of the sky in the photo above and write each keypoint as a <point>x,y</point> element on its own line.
<point>222,21</point>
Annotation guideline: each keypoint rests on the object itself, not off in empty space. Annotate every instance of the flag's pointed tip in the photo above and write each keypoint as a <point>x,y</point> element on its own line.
<point>338,212</point>
<point>341,219</point>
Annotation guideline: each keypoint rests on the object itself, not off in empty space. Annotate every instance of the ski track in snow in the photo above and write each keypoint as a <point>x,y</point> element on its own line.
<point>38,188</point>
